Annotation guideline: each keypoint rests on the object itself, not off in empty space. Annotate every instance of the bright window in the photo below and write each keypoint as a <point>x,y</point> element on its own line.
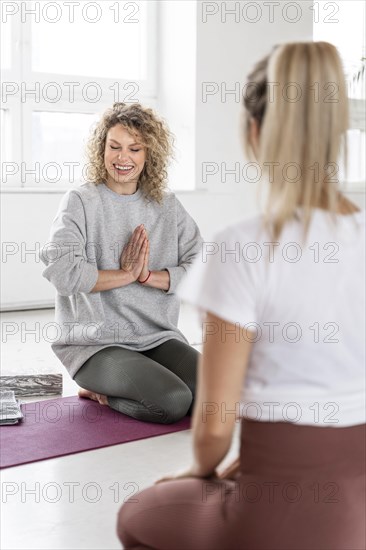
<point>114,53</point>
<point>60,137</point>
<point>345,28</point>
<point>63,64</point>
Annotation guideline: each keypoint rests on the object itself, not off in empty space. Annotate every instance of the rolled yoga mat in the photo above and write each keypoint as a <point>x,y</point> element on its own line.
<point>68,425</point>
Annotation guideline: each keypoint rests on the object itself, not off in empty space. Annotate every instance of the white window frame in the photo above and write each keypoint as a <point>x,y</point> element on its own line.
<point>19,113</point>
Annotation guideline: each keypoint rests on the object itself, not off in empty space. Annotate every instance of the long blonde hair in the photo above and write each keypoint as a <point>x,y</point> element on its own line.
<point>298,98</point>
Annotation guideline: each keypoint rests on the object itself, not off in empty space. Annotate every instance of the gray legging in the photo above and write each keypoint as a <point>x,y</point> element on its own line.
<point>155,385</point>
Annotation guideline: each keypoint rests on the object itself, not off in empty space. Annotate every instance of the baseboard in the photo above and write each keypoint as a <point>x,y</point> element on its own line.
<point>17,306</point>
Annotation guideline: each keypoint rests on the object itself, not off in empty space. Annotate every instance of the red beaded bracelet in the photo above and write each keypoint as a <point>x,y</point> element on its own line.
<point>142,282</point>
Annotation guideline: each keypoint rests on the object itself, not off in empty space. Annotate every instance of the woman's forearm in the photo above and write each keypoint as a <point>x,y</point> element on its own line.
<point>209,453</point>
<point>112,278</point>
<point>159,279</point>
<point>209,447</point>
<point>115,278</point>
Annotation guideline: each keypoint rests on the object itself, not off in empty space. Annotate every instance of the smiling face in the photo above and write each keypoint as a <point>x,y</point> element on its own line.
<point>124,159</point>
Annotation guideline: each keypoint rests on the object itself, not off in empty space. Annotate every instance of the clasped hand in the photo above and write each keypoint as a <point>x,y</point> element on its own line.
<point>230,472</point>
<point>135,255</point>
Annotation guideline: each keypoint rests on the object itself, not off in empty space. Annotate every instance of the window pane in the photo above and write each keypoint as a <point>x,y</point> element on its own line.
<point>4,135</point>
<point>356,144</point>
<point>346,30</point>
<point>114,46</point>
<point>58,139</point>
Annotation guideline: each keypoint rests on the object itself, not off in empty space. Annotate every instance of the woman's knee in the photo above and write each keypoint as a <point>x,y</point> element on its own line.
<point>133,516</point>
<point>171,408</point>
<point>169,401</point>
<point>123,527</point>
<point>177,406</point>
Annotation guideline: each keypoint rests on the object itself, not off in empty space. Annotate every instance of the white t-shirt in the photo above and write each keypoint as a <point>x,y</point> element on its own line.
<point>302,304</point>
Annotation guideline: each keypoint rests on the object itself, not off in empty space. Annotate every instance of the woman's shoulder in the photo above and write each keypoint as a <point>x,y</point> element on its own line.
<point>169,201</point>
<point>84,193</point>
<point>169,196</point>
<point>254,228</point>
<point>78,198</point>
<point>247,228</point>
<point>86,190</point>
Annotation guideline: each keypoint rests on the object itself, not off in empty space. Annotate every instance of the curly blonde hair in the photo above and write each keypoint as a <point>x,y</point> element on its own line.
<point>153,133</point>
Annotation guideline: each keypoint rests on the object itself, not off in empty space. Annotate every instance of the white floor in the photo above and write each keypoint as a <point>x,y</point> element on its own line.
<point>72,502</point>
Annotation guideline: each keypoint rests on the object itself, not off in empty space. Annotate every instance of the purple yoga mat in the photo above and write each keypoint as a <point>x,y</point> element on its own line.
<point>68,425</point>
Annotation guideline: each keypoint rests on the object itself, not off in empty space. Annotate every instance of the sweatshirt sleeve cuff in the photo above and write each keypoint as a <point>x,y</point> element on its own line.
<point>176,274</point>
<point>89,278</point>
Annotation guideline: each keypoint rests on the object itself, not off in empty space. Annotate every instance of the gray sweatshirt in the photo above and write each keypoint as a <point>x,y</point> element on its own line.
<point>88,234</point>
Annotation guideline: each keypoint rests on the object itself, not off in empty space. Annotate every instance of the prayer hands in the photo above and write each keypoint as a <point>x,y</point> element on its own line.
<point>145,268</point>
<point>134,256</point>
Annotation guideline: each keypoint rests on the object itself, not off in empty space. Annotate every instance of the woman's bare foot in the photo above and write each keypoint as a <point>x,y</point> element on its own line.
<point>102,399</point>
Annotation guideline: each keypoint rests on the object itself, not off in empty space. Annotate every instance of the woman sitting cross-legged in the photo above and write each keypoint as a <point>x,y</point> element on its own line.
<point>284,325</point>
<point>119,246</point>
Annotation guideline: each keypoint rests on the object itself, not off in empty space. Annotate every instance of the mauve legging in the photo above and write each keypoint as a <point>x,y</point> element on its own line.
<point>156,385</point>
<point>299,488</point>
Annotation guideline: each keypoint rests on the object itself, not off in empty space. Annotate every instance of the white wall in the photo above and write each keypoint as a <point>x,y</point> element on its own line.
<point>177,84</point>
<point>228,44</point>
<point>222,51</point>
